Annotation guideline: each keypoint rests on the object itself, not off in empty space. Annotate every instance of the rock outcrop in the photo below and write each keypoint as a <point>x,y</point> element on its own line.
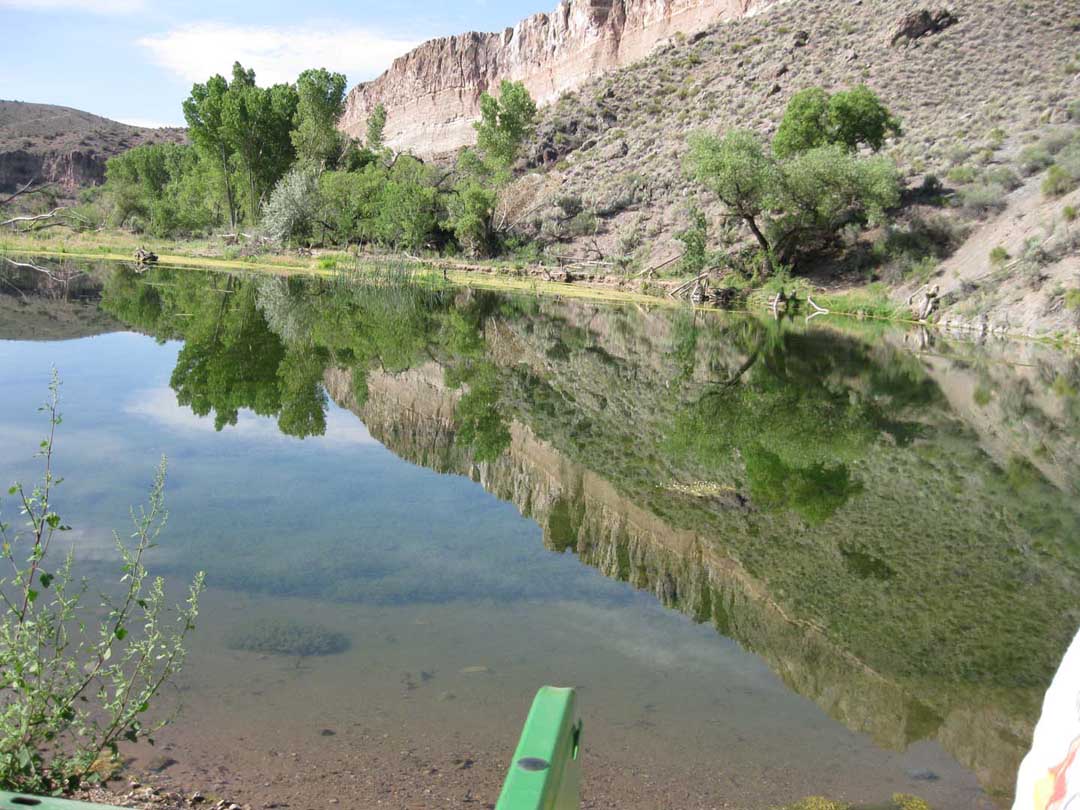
<point>68,169</point>
<point>63,146</point>
<point>432,93</point>
<point>920,23</point>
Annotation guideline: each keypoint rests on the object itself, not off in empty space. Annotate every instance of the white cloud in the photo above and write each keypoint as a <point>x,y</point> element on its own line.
<point>159,405</point>
<point>147,122</point>
<point>198,51</point>
<point>91,6</point>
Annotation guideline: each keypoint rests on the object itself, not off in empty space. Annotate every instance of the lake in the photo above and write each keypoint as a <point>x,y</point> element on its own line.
<point>777,559</point>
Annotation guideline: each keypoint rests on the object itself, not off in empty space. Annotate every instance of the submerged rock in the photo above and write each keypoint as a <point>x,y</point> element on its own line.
<point>285,637</point>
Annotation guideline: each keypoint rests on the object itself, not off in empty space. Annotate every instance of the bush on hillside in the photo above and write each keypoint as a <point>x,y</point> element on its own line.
<point>850,118</point>
<point>1033,159</point>
<point>983,198</point>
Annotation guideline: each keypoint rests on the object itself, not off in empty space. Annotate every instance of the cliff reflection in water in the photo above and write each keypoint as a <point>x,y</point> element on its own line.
<point>894,532</point>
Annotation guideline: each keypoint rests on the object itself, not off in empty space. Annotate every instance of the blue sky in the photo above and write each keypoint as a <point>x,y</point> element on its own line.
<point>135,60</point>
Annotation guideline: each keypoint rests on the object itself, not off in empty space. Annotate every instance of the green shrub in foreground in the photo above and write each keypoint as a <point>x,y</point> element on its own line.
<point>73,687</point>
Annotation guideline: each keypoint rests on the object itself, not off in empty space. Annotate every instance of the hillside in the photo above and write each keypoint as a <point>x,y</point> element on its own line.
<point>971,94</point>
<point>977,100</point>
<point>64,146</point>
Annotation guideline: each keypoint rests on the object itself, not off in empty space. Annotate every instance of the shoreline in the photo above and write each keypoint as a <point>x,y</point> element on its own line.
<point>854,303</point>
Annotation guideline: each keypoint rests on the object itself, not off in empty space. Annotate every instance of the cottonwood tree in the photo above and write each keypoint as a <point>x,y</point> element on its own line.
<point>505,123</point>
<point>376,128</point>
<point>257,123</point>
<point>204,111</point>
<point>320,103</point>
<point>740,172</point>
<point>797,206</point>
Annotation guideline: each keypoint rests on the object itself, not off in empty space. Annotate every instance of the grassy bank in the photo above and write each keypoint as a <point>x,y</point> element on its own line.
<point>869,303</point>
<point>208,255</point>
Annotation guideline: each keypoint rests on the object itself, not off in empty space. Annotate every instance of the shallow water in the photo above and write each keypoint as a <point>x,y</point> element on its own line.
<point>776,562</point>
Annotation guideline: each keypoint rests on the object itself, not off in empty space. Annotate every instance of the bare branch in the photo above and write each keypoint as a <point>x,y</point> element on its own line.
<point>26,189</point>
<point>35,218</point>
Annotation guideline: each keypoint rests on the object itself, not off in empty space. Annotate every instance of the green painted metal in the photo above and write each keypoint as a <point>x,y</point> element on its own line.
<point>21,801</point>
<point>545,773</point>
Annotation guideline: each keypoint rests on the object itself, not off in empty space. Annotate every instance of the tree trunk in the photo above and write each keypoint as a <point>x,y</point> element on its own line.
<point>228,188</point>
<point>766,248</point>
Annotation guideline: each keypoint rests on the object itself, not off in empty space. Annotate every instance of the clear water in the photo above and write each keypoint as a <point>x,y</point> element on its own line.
<point>776,562</point>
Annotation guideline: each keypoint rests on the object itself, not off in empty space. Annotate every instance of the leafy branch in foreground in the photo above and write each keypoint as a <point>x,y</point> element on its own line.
<point>72,688</point>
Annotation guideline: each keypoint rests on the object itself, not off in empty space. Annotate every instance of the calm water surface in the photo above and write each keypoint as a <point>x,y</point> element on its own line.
<point>776,562</point>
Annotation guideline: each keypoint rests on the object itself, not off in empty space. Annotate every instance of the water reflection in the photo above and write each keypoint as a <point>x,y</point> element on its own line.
<point>893,531</point>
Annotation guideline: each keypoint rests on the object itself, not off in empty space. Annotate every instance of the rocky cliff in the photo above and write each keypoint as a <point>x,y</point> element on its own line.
<point>432,93</point>
<point>63,146</point>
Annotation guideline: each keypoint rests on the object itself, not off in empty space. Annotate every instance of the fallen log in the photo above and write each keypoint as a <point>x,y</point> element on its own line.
<point>35,218</point>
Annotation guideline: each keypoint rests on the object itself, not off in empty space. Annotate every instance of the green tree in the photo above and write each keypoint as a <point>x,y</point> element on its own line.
<point>351,201</point>
<point>797,206</point>
<point>819,191</point>
<point>257,123</point>
<point>695,243</point>
<point>408,211</point>
<point>850,118</point>
<point>320,103</point>
<point>505,123</point>
<point>204,111</point>
<point>471,213</point>
<point>161,188</point>
<point>376,128</point>
<point>739,171</point>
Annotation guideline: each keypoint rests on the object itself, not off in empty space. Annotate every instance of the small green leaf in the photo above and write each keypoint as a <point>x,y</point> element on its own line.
<point>121,633</point>
<point>46,579</point>
<point>31,596</point>
<point>13,489</point>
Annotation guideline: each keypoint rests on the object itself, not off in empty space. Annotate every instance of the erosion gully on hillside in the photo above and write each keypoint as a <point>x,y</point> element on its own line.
<point>775,559</point>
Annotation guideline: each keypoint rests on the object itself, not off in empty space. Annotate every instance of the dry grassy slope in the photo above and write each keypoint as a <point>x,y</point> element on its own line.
<point>619,142</point>
<point>63,145</point>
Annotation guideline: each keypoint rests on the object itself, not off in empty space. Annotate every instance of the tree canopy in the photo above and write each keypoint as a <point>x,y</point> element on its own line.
<point>376,127</point>
<point>319,104</point>
<point>849,118</point>
<point>273,158</point>
<point>505,122</point>
<point>797,196</point>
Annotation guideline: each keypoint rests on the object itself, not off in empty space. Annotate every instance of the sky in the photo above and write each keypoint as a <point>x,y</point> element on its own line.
<point>135,60</point>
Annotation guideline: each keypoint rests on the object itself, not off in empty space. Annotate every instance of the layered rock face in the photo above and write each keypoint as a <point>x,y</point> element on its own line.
<point>432,93</point>
<point>69,170</point>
